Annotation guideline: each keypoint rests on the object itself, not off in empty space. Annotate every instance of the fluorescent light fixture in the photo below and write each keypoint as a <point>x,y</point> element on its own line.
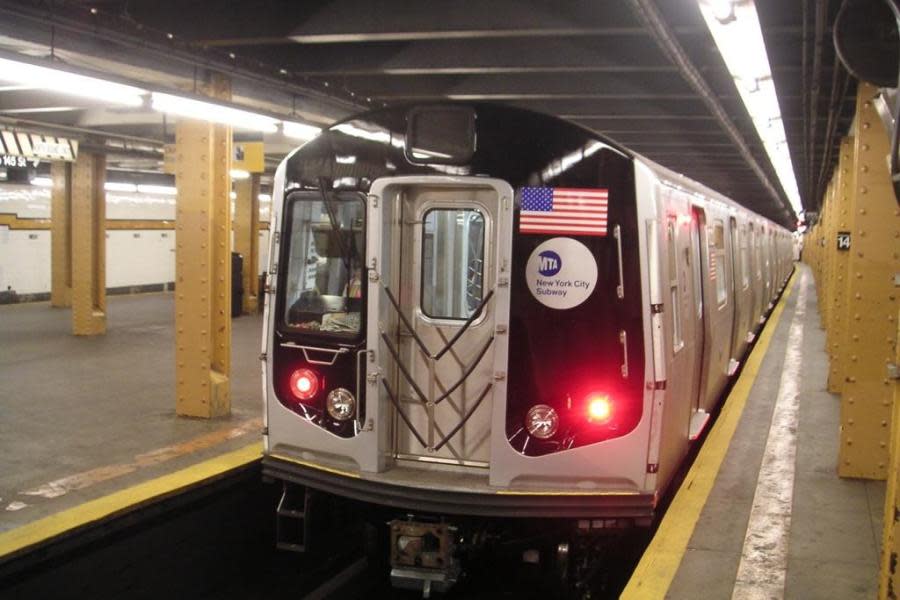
<point>41,182</point>
<point>114,186</point>
<point>264,198</point>
<point>239,174</point>
<point>345,160</point>
<point>299,131</point>
<point>734,25</point>
<point>162,190</point>
<point>214,113</point>
<point>72,84</point>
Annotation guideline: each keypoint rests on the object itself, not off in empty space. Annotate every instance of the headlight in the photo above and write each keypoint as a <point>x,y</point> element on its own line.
<point>341,404</point>
<point>542,421</point>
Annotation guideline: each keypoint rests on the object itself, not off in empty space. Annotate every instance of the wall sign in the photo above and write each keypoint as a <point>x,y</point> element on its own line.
<point>843,240</point>
<point>17,146</point>
<point>561,273</point>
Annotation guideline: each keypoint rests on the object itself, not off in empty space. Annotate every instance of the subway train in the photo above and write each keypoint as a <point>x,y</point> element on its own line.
<point>480,315</point>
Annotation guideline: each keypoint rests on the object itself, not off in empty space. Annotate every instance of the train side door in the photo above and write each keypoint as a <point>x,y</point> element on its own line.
<point>438,287</point>
<point>699,265</point>
<point>737,274</point>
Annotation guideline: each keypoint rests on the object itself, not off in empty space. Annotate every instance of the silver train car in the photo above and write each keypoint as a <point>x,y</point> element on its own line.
<point>476,313</point>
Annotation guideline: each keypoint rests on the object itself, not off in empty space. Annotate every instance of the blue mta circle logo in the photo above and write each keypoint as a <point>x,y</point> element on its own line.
<point>550,263</point>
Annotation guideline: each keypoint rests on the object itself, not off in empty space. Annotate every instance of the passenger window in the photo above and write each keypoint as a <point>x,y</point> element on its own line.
<point>452,262</point>
<point>718,256</point>
<point>674,299</point>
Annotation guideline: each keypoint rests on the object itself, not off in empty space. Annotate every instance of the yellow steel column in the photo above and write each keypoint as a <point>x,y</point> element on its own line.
<point>246,237</point>
<point>872,301</point>
<point>889,582</point>
<point>89,245</point>
<point>61,235</point>
<point>838,322</point>
<point>203,263</point>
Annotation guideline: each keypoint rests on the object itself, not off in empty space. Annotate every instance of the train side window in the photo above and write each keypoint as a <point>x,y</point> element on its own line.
<point>452,262</point>
<point>674,298</point>
<point>719,266</point>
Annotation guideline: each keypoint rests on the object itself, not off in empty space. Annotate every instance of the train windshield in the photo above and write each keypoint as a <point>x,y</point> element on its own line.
<point>325,266</point>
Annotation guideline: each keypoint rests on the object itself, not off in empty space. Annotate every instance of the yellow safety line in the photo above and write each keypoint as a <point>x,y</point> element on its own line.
<point>25,536</point>
<point>653,575</point>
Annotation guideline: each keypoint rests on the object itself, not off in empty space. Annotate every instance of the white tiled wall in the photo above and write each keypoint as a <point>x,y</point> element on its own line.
<point>132,257</point>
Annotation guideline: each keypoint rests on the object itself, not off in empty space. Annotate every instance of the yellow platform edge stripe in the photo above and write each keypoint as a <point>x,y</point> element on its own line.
<point>659,564</point>
<point>30,534</point>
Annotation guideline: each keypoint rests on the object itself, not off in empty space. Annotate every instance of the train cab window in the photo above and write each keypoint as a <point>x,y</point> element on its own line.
<point>452,262</point>
<point>674,296</point>
<point>720,271</point>
<point>325,263</point>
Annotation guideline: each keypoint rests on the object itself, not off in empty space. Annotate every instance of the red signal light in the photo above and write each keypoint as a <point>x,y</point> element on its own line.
<point>599,408</point>
<point>304,384</point>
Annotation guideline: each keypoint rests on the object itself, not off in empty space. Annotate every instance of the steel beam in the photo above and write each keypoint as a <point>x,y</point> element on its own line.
<point>88,237</point>
<point>246,238</point>
<point>650,16</point>
<point>203,263</point>
<point>61,235</point>
<point>872,308</point>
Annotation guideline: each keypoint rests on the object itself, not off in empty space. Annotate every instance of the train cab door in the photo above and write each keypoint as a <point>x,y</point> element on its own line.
<point>699,265</point>
<point>439,258</point>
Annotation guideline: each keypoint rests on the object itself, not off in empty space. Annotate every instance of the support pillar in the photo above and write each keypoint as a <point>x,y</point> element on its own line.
<point>61,235</point>
<point>89,244</point>
<point>837,331</point>
<point>889,581</point>
<point>203,263</point>
<point>872,301</point>
<point>246,237</point>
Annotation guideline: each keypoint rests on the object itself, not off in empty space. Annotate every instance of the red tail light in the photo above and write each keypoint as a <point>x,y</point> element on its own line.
<point>304,384</point>
<point>599,408</point>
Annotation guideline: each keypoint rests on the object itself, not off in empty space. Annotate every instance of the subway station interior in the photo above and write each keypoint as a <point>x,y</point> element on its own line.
<point>512,299</point>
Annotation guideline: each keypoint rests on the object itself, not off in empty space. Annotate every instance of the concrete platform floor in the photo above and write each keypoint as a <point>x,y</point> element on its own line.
<point>84,417</point>
<point>835,524</point>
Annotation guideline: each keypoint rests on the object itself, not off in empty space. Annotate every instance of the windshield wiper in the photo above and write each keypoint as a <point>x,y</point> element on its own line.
<point>335,226</point>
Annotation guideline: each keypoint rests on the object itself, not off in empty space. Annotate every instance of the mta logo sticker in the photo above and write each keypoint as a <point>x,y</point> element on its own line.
<point>561,273</point>
<point>549,264</point>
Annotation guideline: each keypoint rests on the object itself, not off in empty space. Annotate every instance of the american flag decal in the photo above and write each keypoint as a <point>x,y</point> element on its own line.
<point>563,211</point>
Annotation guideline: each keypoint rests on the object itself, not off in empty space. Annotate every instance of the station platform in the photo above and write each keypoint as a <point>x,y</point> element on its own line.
<point>762,512</point>
<point>88,425</point>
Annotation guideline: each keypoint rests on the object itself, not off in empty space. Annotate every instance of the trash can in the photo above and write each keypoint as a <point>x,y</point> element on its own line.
<point>237,284</point>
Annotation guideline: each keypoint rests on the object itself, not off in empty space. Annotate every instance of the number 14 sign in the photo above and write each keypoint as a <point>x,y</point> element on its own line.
<point>843,240</point>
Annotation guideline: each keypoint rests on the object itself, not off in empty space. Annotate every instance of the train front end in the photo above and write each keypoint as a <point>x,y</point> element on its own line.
<point>454,325</point>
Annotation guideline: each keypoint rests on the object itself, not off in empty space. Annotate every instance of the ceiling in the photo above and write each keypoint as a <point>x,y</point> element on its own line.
<point>645,73</point>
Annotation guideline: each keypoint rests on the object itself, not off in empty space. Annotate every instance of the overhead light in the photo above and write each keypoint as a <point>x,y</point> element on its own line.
<point>163,190</point>
<point>345,160</point>
<point>239,174</point>
<point>72,84</point>
<point>233,195</point>
<point>264,198</point>
<point>214,113</point>
<point>41,182</point>
<point>740,42</point>
<point>115,186</point>
<point>299,131</point>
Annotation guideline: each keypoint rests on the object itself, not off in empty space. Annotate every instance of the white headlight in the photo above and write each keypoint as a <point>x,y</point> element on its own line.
<point>341,404</point>
<point>542,421</point>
